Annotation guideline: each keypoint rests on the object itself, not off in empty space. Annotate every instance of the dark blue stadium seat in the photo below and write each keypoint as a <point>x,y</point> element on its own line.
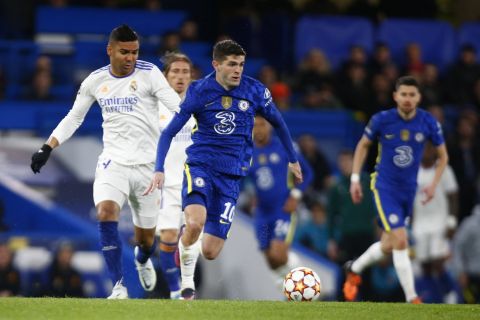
<point>333,35</point>
<point>197,48</point>
<point>84,20</point>
<point>90,54</point>
<point>436,39</point>
<point>469,33</point>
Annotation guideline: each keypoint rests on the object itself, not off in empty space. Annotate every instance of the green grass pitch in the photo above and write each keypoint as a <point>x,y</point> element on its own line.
<point>87,309</point>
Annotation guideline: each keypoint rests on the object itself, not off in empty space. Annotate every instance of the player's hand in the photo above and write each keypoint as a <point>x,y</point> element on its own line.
<point>40,157</point>
<point>356,192</point>
<point>297,172</point>
<point>428,193</point>
<point>290,205</point>
<point>156,183</point>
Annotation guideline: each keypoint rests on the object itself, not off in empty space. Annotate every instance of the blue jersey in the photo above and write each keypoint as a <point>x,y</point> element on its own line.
<point>222,139</point>
<point>401,145</point>
<point>271,176</point>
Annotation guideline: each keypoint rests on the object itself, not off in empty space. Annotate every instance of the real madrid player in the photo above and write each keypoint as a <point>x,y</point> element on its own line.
<point>224,104</point>
<point>401,133</point>
<point>177,69</point>
<point>128,92</point>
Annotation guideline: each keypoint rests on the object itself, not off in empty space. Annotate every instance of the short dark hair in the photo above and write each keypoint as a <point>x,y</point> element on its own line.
<point>172,57</point>
<point>406,81</point>
<point>123,33</point>
<point>225,48</point>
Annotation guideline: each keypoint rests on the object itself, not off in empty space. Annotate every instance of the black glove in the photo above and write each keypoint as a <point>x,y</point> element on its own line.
<point>40,157</point>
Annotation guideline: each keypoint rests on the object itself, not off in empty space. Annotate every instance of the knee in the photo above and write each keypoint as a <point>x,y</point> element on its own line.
<point>107,213</point>
<point>194,227</point>
<point>210,254</point>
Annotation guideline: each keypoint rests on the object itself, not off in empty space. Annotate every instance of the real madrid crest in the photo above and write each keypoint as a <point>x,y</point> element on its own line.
<point>243,105</point>
<point>405,135</point>
<point>133,86</point>
<point>226,102</point>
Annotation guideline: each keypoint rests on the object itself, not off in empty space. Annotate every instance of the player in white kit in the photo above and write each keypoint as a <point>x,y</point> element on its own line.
<point>178,72</point>
<point>434,220</point>
<point>129,92</point>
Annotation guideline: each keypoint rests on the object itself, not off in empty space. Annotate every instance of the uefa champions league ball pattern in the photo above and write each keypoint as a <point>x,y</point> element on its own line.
<point>302,284</point>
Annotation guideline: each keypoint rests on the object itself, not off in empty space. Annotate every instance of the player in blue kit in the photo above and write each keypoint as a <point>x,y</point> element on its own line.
<point>224,104</point>
<point>401,133</point>
<point>277,198</point>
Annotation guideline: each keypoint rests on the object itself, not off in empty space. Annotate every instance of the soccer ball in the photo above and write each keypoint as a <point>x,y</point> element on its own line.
<point>302,284</point>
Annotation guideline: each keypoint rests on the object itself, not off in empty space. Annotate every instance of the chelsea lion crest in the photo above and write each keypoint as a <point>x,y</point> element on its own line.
<point>243,105</point>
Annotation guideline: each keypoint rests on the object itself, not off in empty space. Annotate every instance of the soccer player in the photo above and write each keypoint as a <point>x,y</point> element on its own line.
<point>178,72</point>
<point>128,91</point>
<point>401,133</point>
<point>224,104</point>
<point>277,198</point>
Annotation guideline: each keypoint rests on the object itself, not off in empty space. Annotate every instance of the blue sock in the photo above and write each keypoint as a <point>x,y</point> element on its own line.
<point>111,248</point>
<point>144,254</point>
<point>170,270</point>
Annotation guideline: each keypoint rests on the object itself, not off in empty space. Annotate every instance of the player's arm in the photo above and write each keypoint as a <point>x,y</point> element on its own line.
<point>361,153</point>
<point>65,129</point>
<point>270,112</point>
<point>442,161</point>
<point>163,92</point>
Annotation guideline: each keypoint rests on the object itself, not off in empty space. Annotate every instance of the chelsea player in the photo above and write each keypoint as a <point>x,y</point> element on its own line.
<point>277,198</point>
<point>224,104</point>
<point>401,133</point>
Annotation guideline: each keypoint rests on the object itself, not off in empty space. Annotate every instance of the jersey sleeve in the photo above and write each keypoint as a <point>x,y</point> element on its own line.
<point>188,107</point>
<point>72,121</point>
<point>372,129</point>
<point>267,109</point>
<point>435,131</point>
<point>162,90</point>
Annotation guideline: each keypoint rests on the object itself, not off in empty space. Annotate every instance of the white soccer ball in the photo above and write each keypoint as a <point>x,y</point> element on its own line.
<point>302,284</point>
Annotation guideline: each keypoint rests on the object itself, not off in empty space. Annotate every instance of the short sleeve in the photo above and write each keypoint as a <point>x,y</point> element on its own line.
<point>162,90</point>
<point>373,127</point>
<point>436,132</point>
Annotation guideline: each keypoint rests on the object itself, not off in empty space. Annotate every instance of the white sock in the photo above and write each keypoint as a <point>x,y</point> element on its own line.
<point>188,261</point>
<point>373,254</point>
<point>403,266</point>
<point>292,262</point>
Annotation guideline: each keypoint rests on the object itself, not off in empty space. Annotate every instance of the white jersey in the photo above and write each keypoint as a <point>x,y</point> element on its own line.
<point>432,217</point>
<point>130,107</point>
<point>176,156</point>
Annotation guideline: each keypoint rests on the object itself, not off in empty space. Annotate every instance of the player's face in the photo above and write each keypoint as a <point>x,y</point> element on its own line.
<point>229,71</point>
<point>407,98</point>
<point>261,130</point>
<point>123,56</point>
<point>179,76</point>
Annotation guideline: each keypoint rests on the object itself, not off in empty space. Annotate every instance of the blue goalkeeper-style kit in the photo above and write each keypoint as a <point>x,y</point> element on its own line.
<point>400,149</point>
<point>273,183</point>
<point>222,147</point>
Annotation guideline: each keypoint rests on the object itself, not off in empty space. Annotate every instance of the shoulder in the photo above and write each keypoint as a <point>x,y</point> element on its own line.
<point>99,71</point>
<point>146,66</point>
<point>253,85</point>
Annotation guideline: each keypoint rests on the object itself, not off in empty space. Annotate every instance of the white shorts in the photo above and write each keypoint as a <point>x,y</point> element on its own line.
<point>116,182</point>
<point>171,214</point>
<point>430,246</point>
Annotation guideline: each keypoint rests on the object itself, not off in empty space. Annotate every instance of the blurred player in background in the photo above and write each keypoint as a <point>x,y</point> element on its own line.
<point>128,91</point>
<point>277,198</point>
<point>178,72</point>
<point>434,223</point>
<point>224,104</point>
<point>401,133</point>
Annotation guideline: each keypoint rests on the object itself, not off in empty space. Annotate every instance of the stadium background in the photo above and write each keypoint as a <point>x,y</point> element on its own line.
<point>46,211</point>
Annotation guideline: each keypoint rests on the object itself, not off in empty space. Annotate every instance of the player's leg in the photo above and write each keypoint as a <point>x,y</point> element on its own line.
<point>169,221</point>
<point>109,194</point>
<point>384,202</point>
<point>145,211</point>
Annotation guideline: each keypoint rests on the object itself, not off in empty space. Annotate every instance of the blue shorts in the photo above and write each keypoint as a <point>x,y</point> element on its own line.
<point>277,226</point>
<point>219,193</point>
<point>394,207</point>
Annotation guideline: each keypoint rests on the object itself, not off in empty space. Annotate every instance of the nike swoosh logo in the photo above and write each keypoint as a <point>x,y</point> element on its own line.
<point>209,104</point>
<point>223,222</point>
